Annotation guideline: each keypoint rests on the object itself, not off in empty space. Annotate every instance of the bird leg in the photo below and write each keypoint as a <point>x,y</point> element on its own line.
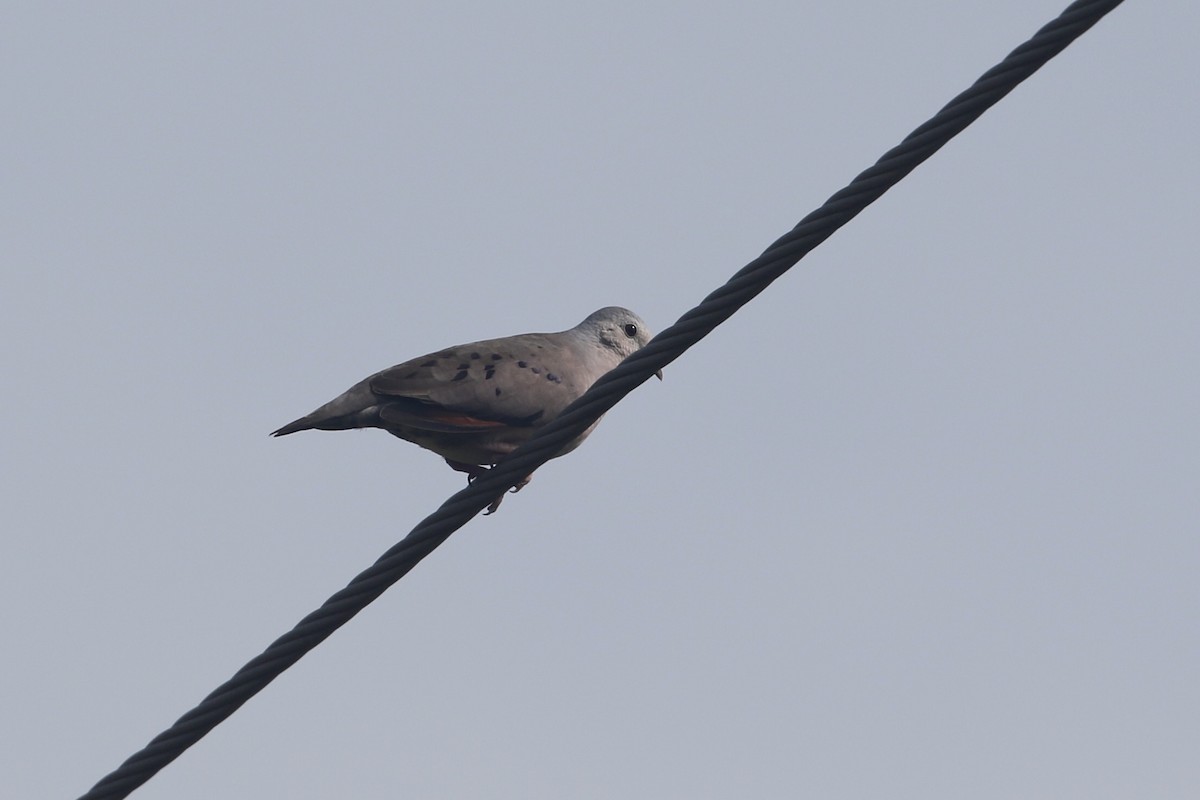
<point>475,470</point>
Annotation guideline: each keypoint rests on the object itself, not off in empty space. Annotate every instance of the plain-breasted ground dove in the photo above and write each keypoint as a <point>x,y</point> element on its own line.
<point>473,403</point>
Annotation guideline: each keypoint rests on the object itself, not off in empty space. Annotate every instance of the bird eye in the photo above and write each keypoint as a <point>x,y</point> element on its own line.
<point>630,330</point>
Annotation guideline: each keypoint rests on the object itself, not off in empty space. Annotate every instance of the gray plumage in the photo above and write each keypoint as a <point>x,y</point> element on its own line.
<point>473,403</point>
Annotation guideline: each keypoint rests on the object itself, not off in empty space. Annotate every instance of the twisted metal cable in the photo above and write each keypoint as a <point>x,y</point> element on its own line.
<point>603,395</point>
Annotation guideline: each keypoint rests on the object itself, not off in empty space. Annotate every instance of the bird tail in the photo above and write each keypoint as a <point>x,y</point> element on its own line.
<point>355,408</point>
<point>302,424</point>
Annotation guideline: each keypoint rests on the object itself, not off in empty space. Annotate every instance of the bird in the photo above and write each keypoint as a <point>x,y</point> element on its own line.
<point>474,403</point>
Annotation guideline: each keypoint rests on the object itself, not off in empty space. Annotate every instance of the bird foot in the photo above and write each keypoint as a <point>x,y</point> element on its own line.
<point>476,470</point>
<point>473,470</point>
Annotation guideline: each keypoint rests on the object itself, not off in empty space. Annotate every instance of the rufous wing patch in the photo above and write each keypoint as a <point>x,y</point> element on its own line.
<point>435,418</point>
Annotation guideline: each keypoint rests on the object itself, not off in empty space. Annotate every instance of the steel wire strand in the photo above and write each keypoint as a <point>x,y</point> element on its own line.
<point>693,326</point>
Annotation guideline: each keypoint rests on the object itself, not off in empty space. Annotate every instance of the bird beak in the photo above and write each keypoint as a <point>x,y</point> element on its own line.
<point>658,374</point>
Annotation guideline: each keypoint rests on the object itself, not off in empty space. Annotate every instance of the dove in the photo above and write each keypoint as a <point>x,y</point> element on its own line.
<point>473,403</point>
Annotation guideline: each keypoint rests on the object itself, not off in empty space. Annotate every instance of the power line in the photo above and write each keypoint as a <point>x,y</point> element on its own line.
<point>610,389</point>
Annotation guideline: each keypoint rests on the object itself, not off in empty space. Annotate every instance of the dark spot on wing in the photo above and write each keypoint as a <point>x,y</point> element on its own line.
<point>475,356</point>
<point>550,376</point>
<point>489,372</point>
<point>461,374</point>
<point>496,356</point>
<point>430,363</point>
<point>535,371</point>
<point>522,364</point>
<point>497,391</point>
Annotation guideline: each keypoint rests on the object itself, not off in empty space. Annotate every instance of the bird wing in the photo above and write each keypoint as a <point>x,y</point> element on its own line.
<point>481,385</point>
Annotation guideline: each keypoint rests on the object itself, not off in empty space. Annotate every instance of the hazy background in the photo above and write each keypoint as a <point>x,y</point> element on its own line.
<point>919,522</point>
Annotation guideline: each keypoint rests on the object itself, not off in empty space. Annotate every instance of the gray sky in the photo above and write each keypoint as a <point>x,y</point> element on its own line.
<point>919,522</point>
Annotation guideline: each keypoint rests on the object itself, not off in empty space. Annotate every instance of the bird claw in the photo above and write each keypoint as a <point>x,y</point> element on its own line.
<point>491,509</point>
<point>475,471</point>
